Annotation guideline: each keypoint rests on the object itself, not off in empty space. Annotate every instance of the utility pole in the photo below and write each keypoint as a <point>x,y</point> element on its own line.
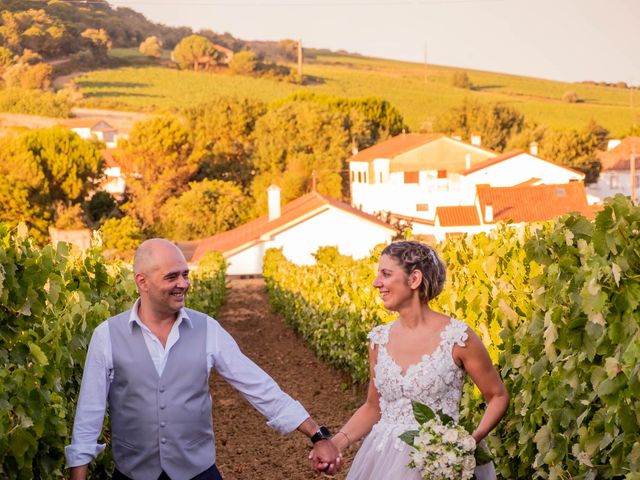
<point>632,171</point>
<point>425,62</point>
<point>300,62</point>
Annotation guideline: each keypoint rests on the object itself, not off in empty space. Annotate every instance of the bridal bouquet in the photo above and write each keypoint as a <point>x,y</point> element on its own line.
<point>442,449</point>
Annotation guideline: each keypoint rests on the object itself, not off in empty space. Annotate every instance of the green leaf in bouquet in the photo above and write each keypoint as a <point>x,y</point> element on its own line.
<point>408,436</point>
<point>445,419</point>
<point>482,455</point>
<point>422,412</point>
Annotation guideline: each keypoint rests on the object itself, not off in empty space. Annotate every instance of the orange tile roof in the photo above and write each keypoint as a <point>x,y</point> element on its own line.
<point>87,123</point>
<point>535,202</point>
<point>619,158</point>
<point>292,214</point>
<point>507,156</point>
<point>110,156</point>
<point>394,146</point>
<point>466,215</point>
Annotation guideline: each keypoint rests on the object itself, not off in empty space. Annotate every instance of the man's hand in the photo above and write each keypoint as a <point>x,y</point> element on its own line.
<point>79,473</point>
<point>326,457</point>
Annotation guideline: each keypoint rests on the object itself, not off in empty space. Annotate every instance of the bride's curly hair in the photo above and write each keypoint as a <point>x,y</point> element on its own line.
<point>413,255</point>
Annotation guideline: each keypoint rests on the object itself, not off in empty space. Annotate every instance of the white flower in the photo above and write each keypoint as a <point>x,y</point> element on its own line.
<point>450,436</point>
<point>469,443</point>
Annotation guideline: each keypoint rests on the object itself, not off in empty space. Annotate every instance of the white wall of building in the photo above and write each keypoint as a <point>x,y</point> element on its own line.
<point>248,261</point>
<point>519,169</point>
<point>334,227</point>
<point>612,182</point>
<point>421,199</point>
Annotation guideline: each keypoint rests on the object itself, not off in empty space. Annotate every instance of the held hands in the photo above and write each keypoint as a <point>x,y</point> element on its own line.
<point>326,457</point>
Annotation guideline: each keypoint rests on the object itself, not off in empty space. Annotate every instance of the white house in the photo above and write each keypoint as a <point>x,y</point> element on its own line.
<point>94,129</point>
<point>519,204</point>
<point>516,168</point>
<point>114,179</point>
<point>299,228</point>
<point>411,174</point>
<point>615,176</point>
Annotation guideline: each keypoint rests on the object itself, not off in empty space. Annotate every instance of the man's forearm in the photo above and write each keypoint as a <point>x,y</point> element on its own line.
<point>79,473</point>
<point>308,427</point>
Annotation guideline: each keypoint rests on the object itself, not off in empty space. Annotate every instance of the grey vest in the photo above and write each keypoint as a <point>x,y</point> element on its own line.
<point>160,422</point>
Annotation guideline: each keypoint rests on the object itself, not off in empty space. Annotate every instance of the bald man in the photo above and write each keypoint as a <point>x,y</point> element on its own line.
<point>151,366</point>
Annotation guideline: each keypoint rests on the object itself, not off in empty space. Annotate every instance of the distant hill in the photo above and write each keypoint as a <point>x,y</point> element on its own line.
<point>420,93</point>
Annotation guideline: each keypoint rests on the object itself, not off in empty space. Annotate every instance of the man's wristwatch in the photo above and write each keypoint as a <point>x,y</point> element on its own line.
<point>323,433</point>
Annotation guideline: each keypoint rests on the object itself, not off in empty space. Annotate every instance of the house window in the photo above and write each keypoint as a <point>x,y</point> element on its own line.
<point>422,207</point>
<point>359,177</point>
<point>442,174</point>
<point>353,176</point>
<point>411,177</point>
<point>613,181</point>
<point>379,177</point>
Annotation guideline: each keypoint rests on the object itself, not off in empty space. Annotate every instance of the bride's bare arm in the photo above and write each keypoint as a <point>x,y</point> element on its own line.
<point>477,363</point>
<point>366,416</point>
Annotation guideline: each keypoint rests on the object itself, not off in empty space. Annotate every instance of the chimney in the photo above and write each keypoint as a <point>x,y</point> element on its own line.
<point>467,161</point>
<point>488,213</point>
<point>273,199</point>
<point>533,148</point>
<point>476,140</point>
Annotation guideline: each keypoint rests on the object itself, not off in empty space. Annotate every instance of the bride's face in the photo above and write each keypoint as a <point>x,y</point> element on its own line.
<point>392,283</point>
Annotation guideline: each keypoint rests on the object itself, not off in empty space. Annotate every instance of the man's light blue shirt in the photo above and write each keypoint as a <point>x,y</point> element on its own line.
<point>284,414</point>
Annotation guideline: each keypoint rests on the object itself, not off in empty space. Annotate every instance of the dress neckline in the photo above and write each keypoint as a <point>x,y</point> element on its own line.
<point>427,356</point>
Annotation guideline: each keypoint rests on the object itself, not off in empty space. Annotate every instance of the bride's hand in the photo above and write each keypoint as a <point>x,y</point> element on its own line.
<point>326,457</point>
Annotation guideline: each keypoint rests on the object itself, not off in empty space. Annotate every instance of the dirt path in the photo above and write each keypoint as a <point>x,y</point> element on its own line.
<point>247,448</point>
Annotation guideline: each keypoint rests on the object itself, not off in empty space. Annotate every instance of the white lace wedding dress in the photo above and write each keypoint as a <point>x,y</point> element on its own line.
<point>435,381</point>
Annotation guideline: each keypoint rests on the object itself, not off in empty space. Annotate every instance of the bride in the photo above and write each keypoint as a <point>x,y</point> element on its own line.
<point>422,356</point>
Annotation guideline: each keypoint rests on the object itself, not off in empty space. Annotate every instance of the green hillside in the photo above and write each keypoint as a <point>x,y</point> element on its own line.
<point>420,93</point>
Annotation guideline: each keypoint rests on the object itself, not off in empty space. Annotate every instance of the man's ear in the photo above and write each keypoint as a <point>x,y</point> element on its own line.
<point>141,281</point>
<point>415,279</point>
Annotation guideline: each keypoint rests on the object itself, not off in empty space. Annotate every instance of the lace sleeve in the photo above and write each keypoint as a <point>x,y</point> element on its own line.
<point>379,335</point>
<point>456,334</point>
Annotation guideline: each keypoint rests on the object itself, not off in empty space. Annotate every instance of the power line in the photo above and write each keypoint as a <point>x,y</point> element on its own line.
<point>305,3</point>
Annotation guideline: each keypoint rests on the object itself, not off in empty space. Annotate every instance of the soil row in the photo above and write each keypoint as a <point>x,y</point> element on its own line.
<point>247,449</point>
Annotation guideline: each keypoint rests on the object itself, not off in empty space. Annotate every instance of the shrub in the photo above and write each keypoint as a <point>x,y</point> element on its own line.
<point>461,80</point>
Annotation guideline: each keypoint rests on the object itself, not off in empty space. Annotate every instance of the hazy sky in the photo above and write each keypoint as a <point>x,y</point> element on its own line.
<point>568,40</point>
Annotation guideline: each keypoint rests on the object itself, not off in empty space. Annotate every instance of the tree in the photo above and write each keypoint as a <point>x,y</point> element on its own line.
<point>288,49</point>
<point>194,50</point>
<point>367,120</point>
<point>151,47</point>
<point>570,97</point>
<point>69,217</point>
<point>159,164</point>
<point>98,42</point>
<point>101,207</point>
<point>23,75</point>
<point>299,144</point>
<point>122,235</point>
<point>207,208</point>
<point>576,149</point>
<point>223,138</point>
<point>461,80</point>
<point>6,59</point>
<point>45,168</point>
<point>496,123</point>
<point>243,63</point>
